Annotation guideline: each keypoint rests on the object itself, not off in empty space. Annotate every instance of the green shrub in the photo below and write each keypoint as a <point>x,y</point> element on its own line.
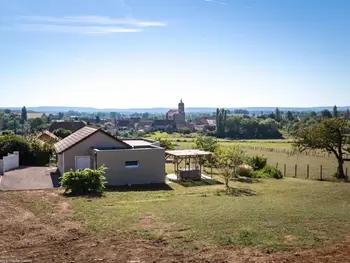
<point>244,170</point>
<point>30,152</point>
<point>85,181</point>
<point>268,172</point>
<point>257,162</point>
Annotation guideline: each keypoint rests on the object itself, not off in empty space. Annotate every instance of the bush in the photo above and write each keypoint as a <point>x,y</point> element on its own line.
<point>30,152</point>
<point>257,162</point>
<point>62,133</point>
<point>85,181</point>
<point>268,172</point>
<point>244,170</point>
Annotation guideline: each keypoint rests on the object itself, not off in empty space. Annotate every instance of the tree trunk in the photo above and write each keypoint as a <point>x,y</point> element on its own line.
<point>340,173</point>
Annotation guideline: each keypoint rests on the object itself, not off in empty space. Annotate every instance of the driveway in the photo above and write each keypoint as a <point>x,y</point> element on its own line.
<point>28,178</point>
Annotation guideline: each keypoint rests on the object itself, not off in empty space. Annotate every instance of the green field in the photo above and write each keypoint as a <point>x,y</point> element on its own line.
<point>266,148</point>
<point>276,214</point>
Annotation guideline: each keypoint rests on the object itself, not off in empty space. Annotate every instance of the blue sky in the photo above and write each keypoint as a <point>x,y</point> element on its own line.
<point>150,53</point>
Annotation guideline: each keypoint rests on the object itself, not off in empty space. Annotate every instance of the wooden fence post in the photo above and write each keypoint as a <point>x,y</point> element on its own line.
<point>321,175</point>
<point>307,171</point>
<point>284,170</point>
<point>296,170</point>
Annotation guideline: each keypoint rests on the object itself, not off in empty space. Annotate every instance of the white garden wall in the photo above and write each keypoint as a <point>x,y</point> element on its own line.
<point>9,162</point>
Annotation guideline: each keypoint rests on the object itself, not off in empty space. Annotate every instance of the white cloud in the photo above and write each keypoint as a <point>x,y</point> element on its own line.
<point>88,25</point>
<point>85,30</point>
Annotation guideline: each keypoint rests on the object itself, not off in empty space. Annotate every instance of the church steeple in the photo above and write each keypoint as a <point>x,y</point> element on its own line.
<point>181,107</point>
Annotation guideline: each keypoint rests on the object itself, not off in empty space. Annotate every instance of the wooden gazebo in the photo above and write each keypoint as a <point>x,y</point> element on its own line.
<point>188,172</point>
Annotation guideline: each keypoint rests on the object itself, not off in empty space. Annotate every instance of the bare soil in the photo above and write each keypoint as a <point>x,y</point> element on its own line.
<point>30,231</point>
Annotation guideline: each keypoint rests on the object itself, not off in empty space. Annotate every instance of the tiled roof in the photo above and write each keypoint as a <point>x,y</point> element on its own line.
<point>172,112</point>
<point>74,138</point>
<point>162,122</point>
<point>53,136</point>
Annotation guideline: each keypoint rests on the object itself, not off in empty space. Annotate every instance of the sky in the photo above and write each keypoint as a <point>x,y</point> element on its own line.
<point>151,53</point>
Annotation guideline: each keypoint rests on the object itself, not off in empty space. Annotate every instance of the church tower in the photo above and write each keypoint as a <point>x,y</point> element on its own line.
<point>181,107</point>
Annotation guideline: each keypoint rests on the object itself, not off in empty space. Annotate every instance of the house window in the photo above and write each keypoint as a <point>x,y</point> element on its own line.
<point>131,164</point>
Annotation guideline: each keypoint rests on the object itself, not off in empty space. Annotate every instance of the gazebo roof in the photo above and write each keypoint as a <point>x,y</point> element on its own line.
<point>187,153</point>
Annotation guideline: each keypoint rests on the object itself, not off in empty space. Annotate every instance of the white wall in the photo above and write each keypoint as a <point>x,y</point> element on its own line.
<point>9,162</point>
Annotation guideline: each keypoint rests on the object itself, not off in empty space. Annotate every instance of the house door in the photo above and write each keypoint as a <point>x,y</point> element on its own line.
<point>82,162</point>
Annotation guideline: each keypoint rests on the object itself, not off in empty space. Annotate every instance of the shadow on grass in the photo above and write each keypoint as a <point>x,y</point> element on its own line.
<point>247,180</point>
<point>236,192</point>
<point>139,188</point>
<point>203,182</point>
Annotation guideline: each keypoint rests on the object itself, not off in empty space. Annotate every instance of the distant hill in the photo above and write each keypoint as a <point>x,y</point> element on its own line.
<point>55,109</point>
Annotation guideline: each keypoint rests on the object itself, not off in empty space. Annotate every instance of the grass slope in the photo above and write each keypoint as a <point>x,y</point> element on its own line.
<point>276,214</point>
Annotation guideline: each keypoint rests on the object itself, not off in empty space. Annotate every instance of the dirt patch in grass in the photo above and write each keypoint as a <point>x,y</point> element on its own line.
<point>38,226</point>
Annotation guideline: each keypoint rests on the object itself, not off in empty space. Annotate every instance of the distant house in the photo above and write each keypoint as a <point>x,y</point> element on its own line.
<point>135,161</point>
<point>73,126</point>
<point>47,137</point>
<point>162,125</point>
<point>124,124</point>
<point>144,125</point>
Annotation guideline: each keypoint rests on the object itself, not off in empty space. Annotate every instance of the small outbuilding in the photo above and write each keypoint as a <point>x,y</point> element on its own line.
<point>127,162</point>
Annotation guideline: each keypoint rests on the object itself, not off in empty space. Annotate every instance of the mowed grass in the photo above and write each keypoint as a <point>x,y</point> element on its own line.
<point>280,214</point>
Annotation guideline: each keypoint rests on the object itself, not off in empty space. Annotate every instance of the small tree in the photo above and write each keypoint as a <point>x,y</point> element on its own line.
<point>24,114</point>
<point>206,143</point>
<point>227,160</point>
<point>165,143</point>
<point>331,135</point>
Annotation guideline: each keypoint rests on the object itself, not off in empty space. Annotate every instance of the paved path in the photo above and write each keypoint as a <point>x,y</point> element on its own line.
<point>27,178</point>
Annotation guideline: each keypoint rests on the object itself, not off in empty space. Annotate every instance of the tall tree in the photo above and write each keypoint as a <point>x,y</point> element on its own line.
<point>347,115</point>
<point>331,135</point>
<point>221,116</point>
<point>335,112</point>
<point>278,114</point>
<point>24,115</point>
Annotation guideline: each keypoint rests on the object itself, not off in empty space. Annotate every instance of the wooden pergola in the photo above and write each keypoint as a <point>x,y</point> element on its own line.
<point>187,155</point>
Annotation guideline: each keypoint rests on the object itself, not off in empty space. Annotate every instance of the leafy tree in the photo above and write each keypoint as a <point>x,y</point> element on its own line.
<point>60,115</point>
<point>335,112</point>
<point>221,115</point>
<point>62,133</point>
<point>24,116</point>
<point>313,114</point>
<point>7,111</point>
<point>347,115</point>
<point>331,135</point>
<point>36,122</point>
<point>227,159</point>
<point>206,143</point>
<point>290,116</point>
<point>326,114</point>
<point>166,144</point>
<point>278,114</point>
<point>233,126</point>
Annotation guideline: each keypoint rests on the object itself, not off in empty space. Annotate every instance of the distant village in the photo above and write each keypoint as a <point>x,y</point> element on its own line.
<point>174,120</point>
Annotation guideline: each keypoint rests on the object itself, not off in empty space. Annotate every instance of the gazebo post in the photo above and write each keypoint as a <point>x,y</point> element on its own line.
<point>175,164</point>
<point>200,165</point>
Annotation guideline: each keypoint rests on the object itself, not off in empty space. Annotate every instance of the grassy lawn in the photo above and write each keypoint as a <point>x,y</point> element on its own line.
<point>281,214</point>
